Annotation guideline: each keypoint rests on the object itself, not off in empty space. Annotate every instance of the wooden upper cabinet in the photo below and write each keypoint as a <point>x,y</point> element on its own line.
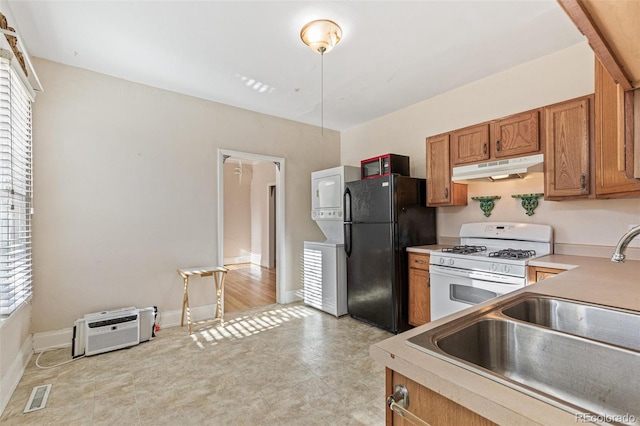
<point>568,129</point>
<point>612,152</point>
<point>440,190</point>
<point>516,135</point>
<point>470,145</point>
<point>512,136</point>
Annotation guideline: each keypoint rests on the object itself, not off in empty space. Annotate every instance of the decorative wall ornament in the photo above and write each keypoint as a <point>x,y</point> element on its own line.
<point>529,201</point>
<point>486,203</point>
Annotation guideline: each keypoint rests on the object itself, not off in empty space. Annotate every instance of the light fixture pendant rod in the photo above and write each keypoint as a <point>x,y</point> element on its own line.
<point>322,92</point>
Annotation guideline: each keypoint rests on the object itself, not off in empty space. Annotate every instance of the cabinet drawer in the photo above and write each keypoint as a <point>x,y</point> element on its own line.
<point>419,261</point>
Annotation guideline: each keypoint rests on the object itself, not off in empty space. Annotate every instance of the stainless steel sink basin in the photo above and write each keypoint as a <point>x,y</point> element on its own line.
<point>609,325</point>
<point>542,359</point>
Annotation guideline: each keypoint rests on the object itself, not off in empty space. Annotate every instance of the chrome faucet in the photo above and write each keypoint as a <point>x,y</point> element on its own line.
<point>618,255</point>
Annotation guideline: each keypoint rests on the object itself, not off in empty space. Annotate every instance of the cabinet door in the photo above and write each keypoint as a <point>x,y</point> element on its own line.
<point>438,170</point>
<point>419,290</point>
<point>516,135</point>
<point>470,145</point>
<point>430,406</point>
<point>539,273</point>
<point>440,190</point>
<point>567,141</point>
<point>611,176</point>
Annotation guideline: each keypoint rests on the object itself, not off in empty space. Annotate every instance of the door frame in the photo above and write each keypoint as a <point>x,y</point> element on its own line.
<point>281,264</point>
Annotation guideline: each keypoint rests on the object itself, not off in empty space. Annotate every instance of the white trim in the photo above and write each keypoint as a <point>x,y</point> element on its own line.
<point>27,59</point>
<point>281,260</point>
<point>256,259</point>
<point>293,296</point>
<point>49,339</point>
<point>10,380</point>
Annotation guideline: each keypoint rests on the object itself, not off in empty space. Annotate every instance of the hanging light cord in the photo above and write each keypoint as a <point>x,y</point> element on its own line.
<point>322,50</point>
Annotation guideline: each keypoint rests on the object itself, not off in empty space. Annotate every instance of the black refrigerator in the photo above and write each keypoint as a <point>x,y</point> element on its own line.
<point>383,216</point>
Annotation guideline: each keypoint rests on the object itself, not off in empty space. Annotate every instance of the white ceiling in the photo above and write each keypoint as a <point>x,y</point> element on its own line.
<point>249,54</point>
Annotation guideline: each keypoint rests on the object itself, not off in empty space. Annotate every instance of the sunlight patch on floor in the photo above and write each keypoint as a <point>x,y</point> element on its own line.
<point>248,325</point>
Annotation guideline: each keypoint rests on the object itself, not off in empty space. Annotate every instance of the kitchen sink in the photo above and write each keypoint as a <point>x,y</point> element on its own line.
<point>568,366</point>
<point>609,325</point>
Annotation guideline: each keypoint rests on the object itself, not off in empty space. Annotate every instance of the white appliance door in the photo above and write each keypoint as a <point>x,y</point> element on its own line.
<point>453,289</point>
<point>324,277</point>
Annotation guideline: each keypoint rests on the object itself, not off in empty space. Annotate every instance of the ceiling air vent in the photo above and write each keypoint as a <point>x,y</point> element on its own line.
<point>38,398</point>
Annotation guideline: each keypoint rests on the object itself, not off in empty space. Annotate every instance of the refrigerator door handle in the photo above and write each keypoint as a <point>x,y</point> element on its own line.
<point>347,239</point>
<point>347,205</point>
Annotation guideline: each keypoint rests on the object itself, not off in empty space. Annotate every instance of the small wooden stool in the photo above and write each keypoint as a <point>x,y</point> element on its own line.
<point>219,274</point>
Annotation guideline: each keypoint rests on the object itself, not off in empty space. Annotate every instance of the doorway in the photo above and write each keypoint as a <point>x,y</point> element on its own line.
<point>253,268</point>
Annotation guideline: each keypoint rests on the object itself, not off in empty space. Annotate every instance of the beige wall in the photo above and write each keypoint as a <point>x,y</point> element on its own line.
<point>237,210</point>
<point>563,75</point>
<point>125,190</point>
<point>264,175</point>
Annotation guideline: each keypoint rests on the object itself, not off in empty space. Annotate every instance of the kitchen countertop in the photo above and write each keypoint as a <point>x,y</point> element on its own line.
<point>589,279</point>
<point>426,249</point>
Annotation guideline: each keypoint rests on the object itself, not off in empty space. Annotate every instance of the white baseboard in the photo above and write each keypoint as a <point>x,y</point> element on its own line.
<point>256,259</point>
<point>293,296</point>
<point>63,338</point>
<point>49,339</point>
<point>9,381</point>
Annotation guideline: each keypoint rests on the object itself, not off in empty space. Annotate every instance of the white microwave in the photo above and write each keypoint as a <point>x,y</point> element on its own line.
<point>327,187</point>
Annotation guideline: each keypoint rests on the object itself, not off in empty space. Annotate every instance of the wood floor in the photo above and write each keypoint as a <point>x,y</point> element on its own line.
<point>249,286</point>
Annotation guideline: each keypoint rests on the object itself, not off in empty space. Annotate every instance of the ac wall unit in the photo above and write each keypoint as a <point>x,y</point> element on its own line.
<point>106,331</point>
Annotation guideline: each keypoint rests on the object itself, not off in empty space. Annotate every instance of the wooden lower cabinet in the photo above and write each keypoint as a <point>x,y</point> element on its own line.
<point>430,406</point>
<point>539,273</point>
<point>419,289</point>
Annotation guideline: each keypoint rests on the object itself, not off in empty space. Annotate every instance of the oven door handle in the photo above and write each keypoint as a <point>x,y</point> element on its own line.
<point>495,278</point>
<point>448,271</point>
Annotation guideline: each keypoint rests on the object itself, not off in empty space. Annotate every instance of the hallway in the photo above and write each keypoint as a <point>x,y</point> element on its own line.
<point>249,286</point>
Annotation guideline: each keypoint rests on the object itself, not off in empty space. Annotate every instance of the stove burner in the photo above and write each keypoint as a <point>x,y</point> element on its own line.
<point>512,254</point>
<point>464,249</point>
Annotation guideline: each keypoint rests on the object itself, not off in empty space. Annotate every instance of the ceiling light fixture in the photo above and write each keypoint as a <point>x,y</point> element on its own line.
<point>321,36</point>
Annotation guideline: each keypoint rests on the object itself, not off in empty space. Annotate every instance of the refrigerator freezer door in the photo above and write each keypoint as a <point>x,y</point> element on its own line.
<point>370,201</point>
<point>372,293</point>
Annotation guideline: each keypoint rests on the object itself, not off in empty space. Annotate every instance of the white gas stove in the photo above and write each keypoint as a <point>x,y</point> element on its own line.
<point>491,261</point>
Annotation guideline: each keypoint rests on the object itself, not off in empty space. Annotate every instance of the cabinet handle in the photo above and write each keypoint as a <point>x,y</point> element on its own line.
<point>446,192</point>
<point>583,181</point>
<point>484,148</point>
<point>429,281</point>
<point>421,262</point>
<point>399,402</point>
<point>498,145</point>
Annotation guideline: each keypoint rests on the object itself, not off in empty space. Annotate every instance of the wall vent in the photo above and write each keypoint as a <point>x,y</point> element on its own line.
<point>38,398</point>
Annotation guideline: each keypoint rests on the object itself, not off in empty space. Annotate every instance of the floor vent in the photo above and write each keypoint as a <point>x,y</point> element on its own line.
<point>38,398</point>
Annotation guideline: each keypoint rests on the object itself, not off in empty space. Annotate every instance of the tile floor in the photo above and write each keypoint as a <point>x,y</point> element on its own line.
<point>277,365</point>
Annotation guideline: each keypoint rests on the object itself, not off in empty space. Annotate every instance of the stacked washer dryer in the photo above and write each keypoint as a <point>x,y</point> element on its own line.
<point>324,262</point>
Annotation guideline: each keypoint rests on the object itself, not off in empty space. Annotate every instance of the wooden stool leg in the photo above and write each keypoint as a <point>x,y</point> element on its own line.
<point>219,279</point>
<point>185,304</point>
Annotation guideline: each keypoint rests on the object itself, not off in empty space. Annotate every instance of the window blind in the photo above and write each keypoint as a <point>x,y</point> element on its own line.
<point>15,190</point>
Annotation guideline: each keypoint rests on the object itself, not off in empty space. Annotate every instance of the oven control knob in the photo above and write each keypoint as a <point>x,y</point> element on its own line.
<point>451,262</point>
<point>506,268</point>
<point>494,267</point>
<point>441,261</point>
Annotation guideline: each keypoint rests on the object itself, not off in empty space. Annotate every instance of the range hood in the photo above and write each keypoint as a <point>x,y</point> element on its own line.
<point>511,166</point>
